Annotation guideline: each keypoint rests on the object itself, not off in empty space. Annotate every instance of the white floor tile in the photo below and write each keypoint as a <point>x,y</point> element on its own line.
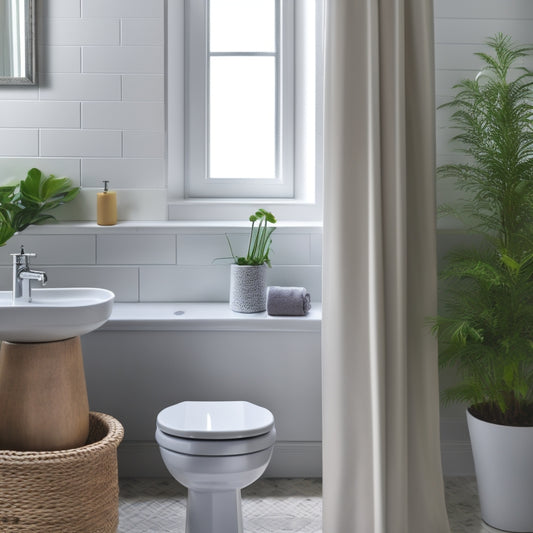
<point>270,505</point>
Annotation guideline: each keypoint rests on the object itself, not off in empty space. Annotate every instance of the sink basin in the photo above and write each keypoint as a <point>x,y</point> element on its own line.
<point>54,314</point>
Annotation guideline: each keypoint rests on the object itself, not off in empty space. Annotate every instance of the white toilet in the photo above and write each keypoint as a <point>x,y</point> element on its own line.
<point>215,449</point>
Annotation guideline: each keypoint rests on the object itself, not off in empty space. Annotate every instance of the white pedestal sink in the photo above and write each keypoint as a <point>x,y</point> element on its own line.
<point>54,314</point>
<point>43,395</point>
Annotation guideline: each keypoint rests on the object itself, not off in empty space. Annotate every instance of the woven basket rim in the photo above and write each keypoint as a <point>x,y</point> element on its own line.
<point>113,437</point>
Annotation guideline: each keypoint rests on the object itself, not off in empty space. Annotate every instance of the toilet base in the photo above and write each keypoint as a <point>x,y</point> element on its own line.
<point>214,512</point>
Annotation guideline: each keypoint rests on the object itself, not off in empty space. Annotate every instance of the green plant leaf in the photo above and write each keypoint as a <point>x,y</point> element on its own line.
<point>509,375</point>
<point>6,232</point>
<point>30,188</point>
<point>259,241</point>
<point>485,329</point>
<point>29,201</point>
<point>41,219</point>
<point>513,265</point>
<point>70,194</point>
<point>52,187</point>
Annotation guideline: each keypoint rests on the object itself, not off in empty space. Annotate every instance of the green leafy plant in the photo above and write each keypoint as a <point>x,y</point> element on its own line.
<point>259,242</point>
<point>30,201</point>
<point>486,328</point>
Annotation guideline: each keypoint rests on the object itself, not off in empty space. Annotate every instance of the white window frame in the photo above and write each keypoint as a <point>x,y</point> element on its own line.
<point>300,153</point>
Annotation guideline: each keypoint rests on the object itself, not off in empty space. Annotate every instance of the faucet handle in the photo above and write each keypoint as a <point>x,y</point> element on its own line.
<point>23,253</point>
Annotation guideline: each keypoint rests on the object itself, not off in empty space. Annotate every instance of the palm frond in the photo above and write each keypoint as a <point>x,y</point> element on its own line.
<point>486,327</point>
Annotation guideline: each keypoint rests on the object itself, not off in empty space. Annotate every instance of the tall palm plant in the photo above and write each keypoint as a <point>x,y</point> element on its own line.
<point>486,329</point>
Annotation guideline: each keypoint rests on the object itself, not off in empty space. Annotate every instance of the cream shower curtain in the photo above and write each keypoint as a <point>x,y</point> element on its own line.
<point>382,469</point>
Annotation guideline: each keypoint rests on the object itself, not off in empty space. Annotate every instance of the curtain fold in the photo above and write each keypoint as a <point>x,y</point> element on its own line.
<point>382,470</point>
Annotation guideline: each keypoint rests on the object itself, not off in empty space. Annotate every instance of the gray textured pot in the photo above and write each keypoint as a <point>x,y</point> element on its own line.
<point>503,458</point>
<point>247,293</point>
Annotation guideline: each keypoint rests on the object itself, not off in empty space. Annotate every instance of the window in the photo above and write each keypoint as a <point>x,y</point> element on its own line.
<point>249,122</point>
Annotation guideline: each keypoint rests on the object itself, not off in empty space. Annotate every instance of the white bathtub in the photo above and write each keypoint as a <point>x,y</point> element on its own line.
<point>150,355</point>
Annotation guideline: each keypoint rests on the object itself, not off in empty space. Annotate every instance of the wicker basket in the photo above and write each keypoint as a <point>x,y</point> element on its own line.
<point>67,491</point>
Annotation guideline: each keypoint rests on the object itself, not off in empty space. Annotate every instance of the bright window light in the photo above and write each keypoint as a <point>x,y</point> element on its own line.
<point>242,117</point>
<point>242,25</point>
<point>242,88</point>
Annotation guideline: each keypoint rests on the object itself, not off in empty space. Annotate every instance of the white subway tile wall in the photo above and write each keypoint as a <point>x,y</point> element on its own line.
<point>59,166</point>
<point>316,249</point>
<point>160,263</point>
<point>56,143</point>
<point>123,281</point>
<point>125,173</point>
<point>61,8</point>
<point>38,115</point>
<point>79,87</point>
<point>58,58</point>
<point>76,32</point>
<point>126,59</point>
<point>144,144</point>
<point>121,8</point>
<point>52,249</point>
<point>128,115</point>
<point>184,283</point>
<point>204,249</point>
<point>20,142</point>
<point>98,110</point>
<point>27,93</point>
<point>136,249</point>
<point>143,88</point>
<point>137,32</point>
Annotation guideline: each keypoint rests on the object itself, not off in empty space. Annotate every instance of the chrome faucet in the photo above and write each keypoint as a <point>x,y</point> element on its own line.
<point>23,276</point>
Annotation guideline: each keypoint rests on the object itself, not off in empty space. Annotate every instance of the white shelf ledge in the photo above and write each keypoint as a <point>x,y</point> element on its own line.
<point>204,316</point>
<point>133,227</point>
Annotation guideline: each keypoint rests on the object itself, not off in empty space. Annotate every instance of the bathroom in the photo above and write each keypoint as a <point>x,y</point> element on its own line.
<point>99,112</point>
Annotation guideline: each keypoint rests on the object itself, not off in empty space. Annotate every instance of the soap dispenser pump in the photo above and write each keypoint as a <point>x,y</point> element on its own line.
<point>106,207</point>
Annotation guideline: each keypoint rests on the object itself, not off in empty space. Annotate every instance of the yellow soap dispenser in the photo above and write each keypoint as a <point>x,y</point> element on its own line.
<point>106,207</point>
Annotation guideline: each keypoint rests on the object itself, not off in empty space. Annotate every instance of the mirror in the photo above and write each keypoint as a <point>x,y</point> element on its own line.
<point>17,42</point>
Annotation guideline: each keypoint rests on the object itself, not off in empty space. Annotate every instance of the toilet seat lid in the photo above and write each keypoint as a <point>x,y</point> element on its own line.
<point>215,420</point>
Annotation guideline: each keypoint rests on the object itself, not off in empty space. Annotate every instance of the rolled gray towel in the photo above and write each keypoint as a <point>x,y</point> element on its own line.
<point>288,301</point>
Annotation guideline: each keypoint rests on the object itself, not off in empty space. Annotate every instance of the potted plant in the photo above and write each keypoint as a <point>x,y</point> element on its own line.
<point>248,273</point>
<point>486,327</point>
<point>29,201</point>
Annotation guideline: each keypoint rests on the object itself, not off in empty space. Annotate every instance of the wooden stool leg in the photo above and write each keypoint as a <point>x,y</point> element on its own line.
<point>43,396</point>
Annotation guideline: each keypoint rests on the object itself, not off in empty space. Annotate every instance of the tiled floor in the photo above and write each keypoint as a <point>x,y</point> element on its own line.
<point>463,506</point>
<point>269,505</point>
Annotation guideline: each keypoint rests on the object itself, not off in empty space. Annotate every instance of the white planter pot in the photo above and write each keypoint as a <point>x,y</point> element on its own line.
<point>503,459</point>
<point>248,288</point>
